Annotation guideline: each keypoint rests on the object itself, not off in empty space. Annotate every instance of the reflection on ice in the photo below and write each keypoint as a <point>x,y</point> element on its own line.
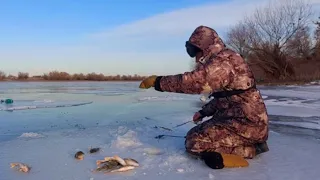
<point>35,104</point>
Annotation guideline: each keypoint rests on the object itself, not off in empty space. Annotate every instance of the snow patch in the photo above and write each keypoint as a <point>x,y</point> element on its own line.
<point>153,151</point>
<point>31,135</point>
<point>128,140</point>
<point>211,176</point>
<point>165,98</point>
<point>180,170</point>
<point>315,83</point>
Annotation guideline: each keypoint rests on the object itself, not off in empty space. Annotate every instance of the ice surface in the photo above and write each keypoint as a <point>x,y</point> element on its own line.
<point>303,101</point>
<point>126,124</point>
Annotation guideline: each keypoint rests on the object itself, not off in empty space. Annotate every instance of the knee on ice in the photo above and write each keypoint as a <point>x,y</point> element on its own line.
<point>191,146</point>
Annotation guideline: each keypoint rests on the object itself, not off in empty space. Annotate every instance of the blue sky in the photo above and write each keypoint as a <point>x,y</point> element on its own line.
<point>108,36</point>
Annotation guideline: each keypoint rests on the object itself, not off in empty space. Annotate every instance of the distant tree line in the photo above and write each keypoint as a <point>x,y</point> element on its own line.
<point>64,76</point>
<point>280,41</point>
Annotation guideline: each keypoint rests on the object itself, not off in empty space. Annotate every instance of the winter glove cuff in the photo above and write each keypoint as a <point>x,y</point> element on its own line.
<point>202,113</point>
<point>157,85</point>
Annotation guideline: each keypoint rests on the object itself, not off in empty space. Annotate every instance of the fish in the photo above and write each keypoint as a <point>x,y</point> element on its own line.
<point>123,169</point>
<point>21,167</point>
<point>94,150</point>
<point>131,162</point>
<point>79,155</point>
<point>116,164</point>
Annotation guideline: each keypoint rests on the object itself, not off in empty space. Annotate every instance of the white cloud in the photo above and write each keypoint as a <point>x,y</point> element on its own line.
<point>181,23</point>
<point>168,31</point>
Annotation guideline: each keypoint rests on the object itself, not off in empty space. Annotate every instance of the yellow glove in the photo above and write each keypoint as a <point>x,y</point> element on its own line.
<point>217,160</point>
<point>148,82</point>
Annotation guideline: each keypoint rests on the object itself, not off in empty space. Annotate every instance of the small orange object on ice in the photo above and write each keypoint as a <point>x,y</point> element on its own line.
<point>21,167</point>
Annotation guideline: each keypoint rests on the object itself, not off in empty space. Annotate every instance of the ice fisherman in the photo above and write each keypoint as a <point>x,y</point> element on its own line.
<point>239,123</point>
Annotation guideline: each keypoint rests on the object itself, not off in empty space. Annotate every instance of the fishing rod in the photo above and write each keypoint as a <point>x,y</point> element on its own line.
<point>183,124</point>
<point>196,122</point>
<point>168,129</point>
<point>163,135</point>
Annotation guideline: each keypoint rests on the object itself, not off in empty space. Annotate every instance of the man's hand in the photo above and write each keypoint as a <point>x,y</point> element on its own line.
<point>197,117</point>
<point>148,82</point>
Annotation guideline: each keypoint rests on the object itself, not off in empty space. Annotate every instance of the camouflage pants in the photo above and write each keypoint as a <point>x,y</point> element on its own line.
<point>209,136</point>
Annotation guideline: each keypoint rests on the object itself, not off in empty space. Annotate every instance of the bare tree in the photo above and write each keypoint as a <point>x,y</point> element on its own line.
<point>316,47</point>
<point>57,75</point>
<point>23,75</point>
<point>237,39</point>
<point>80,76</point>
<point>280,20</point>
<point>317,31</point>
<point>300,45</point>
<point>2,75</point>
<point>264,35</point>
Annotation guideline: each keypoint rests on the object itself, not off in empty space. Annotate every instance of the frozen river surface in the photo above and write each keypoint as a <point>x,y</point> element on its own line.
<point>50,121</point>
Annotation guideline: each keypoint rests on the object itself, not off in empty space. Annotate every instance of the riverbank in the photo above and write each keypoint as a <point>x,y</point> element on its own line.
<point>262,83</point>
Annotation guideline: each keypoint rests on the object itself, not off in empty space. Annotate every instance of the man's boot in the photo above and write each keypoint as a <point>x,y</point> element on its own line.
<point>261,148</point>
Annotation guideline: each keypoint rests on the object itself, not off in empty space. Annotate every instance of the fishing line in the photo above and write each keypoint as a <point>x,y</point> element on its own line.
<point>163,135</point>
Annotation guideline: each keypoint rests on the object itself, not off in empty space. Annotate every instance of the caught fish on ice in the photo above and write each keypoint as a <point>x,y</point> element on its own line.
<point>116,164</point>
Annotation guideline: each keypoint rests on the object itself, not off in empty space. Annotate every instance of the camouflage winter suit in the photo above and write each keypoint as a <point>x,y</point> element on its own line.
<point>238,122</point>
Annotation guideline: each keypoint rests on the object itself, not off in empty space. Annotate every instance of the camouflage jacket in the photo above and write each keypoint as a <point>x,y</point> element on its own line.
<point>222,70</point>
